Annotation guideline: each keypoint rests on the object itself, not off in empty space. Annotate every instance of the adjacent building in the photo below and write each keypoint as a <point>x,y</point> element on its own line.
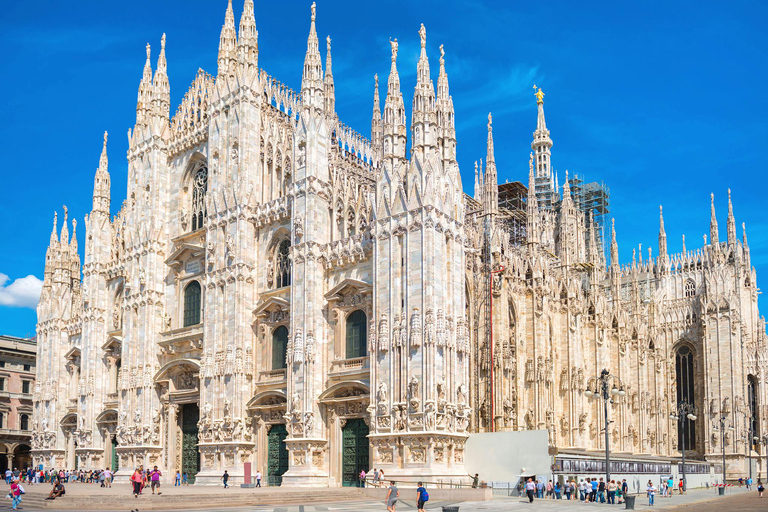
<point>17,381</point>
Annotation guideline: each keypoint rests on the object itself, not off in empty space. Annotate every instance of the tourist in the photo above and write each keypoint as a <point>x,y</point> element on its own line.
<point>177,480</point>
<point>136,480</point>
<point>582,490</point>
<point>612,492</point>
<point>567,490</point>
<point>651,490</point>
<point>530,487</point>
<point>225,478</point>
<point>392,495</point>
<point>184,479</point>
<point>670,486</point>
<point>15,493</point>
<point>680,485</point>
<point>558,490</point>
<point>381,478</point>
<point>539,488</point>
<point>108,477</point>
<point>749,483</point>
<point>375,477</point>
<point>258,478</point>
<point>362,478</point>
<point>422,496</point>
<point>155,479</point>
<point>550,490</point>
<point>760,488</point>
<point>8,475</point>
<point>475,480</point>
<point>58,490</point>
<point>601,490</point>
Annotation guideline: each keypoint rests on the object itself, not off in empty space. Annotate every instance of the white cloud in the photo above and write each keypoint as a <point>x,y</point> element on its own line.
<point>21,293</point>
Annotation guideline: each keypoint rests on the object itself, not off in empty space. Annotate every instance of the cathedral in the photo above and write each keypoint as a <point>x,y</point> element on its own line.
<point>280,293</point>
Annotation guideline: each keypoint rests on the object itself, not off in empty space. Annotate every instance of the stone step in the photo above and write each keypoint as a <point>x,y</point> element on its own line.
<point>192,501</point>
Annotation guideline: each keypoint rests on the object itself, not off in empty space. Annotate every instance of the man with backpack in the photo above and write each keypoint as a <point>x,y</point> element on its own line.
<point>422,496</point>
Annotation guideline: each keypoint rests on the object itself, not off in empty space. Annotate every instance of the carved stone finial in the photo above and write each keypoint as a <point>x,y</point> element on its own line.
<point>423,36</point>
<point>314,10</point>
<point>393,44</point>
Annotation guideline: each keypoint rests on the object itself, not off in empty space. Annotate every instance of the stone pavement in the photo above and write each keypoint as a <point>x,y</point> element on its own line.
<point>699,500</point>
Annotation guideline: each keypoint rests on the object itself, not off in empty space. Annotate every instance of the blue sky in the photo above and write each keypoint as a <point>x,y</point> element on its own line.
<point>664,101</point>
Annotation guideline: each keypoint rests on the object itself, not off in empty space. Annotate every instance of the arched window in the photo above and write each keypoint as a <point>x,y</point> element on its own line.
<point>752,404</point>
<point>199,189</point>
<point>283,264</point>
<point>690,288</point>
<point>24,422</point>
<point>356,334</point>
<point>279,347</point>
<point>192,304</point>
<point>685,388</point>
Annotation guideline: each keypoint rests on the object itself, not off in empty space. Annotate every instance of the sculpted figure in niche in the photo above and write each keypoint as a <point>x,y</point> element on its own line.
<point>381,393</point>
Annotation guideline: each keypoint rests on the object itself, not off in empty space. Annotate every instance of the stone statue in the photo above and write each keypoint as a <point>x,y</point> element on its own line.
<point>393,44</point>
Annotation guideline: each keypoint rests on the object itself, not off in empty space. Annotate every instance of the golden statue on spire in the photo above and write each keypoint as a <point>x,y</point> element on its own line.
<point>539,94</point>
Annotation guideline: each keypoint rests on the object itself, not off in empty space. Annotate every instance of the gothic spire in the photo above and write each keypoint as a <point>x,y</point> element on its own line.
<point>227,44</point>
<point>64,240</point>
<point>423,117</point>
<point>376,120</point>
<point>162,93</point>
<point>744,231</point>
<point>312,76</point>
<point>394,113</point>
<point>684,249</point>
<point>662,236</point>
<point>731,221</point>
<point>248,39</point>
<point>477,184</point>
<point>445,114</point>
<point>55,231</point>
<point>330,90</point>
<point>713,237</point>
<point>101,182</point>
<point>532,208</point>
<point>542,143</point>
<point>614,247</point>
<point>746,245</point>
<point>491,180</point>
<point>144,102</point>
<point>566,188</point>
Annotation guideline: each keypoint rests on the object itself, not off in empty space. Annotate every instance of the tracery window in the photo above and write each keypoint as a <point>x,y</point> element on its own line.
<point>283,264</point>
<point>356,334</point>
<point>690,288</point>
<point>752,404</point>
<point>685,392</point>
<point>279,347</point>
<point>192,304</point>
<point>200,188</point>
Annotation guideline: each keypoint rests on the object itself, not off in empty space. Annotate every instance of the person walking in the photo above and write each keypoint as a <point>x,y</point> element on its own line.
<point>258,478</point>
<point>760,488</point>
<point>225,479</point>
<point>184,479</point>
<point>392,495</point>
<point>539,488</point>
<point>15,493</point>
<point>680,486</point>
<point>612,492</point>
<point>651,490</point>
<point>177,480</point>
<point>422,496</point>
<point>670,486</point>
<point>362,478</point>
<point>749,484</point>
<point>155,480</point>
<point>136,480</point>
<point>567,490</point>
<point>530,488</point>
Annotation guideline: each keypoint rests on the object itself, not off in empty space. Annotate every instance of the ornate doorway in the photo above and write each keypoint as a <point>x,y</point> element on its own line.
<point>277,454</point>
<point>354,458</point>
<point>190,455</point>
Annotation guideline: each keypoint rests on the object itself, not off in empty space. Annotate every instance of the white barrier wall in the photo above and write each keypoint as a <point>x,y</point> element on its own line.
<point>505,456</point>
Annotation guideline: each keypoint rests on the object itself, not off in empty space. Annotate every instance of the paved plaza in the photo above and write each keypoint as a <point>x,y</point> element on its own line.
<point>699,500</point>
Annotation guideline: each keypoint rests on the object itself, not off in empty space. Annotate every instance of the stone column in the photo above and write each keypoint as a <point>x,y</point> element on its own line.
<point>70,450</point>
<point>171,427</point>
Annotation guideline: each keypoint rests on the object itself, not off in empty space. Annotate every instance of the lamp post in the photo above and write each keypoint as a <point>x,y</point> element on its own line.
<point>684,412</point>
<point>723,421</point>
<point>605,386</point>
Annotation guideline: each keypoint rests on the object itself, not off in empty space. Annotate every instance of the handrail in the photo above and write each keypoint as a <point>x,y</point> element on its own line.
<point>415,480</point>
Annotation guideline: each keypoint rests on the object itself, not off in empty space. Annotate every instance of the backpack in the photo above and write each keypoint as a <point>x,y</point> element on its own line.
<point>424,495</point>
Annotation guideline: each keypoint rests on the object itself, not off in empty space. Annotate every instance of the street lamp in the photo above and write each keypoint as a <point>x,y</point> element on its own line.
<point>605,386</point>
<point>684,412</point>
<point>723,422</point>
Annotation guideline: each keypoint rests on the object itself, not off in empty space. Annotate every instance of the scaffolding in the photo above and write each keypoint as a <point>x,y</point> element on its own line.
<point>592,197</point>
<point>513,198</point>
